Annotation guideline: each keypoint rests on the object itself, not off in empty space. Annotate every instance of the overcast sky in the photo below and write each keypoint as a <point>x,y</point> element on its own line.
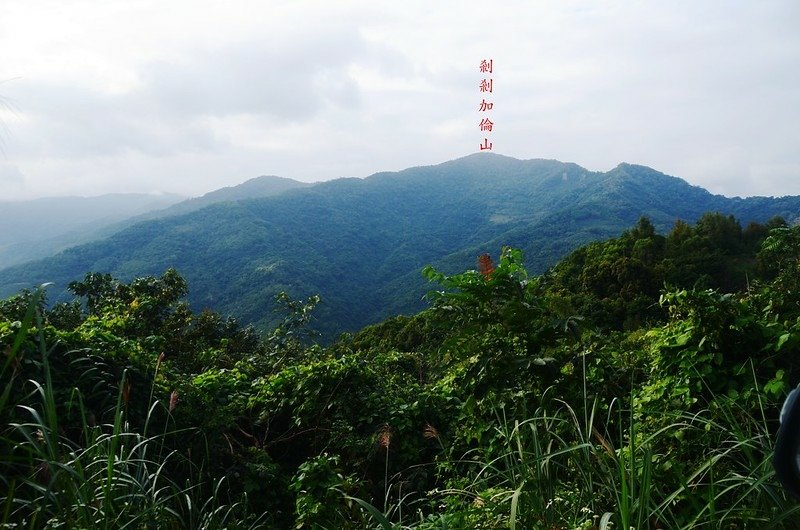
<point>189,96</point>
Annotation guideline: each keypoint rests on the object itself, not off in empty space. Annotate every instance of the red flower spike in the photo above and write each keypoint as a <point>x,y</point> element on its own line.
<point>485,265</point>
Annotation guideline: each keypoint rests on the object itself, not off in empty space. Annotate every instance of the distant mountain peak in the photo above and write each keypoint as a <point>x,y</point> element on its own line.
<point>254,188</point>
<point>264,183</point>
<point>360,243</point>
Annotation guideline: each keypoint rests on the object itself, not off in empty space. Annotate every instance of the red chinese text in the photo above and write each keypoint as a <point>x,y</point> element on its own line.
<point>486,86</point>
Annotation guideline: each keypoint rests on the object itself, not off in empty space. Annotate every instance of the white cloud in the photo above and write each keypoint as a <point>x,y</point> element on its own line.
<point>188,96</point>
<point>11,178</point>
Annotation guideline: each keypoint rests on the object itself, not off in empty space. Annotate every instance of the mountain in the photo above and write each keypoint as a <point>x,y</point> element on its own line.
<point>360,243</point>
<point>41,227</point>
<point>264,186</point>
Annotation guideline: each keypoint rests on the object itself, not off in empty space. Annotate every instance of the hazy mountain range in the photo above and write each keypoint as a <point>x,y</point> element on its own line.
<point>360,243</point>
<point>42,227</point>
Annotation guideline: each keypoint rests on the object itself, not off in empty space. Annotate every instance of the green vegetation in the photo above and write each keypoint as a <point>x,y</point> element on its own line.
<point>637,384</point>
<point>367,240</point>
<point>39,228</point>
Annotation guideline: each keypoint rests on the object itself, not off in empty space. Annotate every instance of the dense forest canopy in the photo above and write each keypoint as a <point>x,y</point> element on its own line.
<point>637,384</point>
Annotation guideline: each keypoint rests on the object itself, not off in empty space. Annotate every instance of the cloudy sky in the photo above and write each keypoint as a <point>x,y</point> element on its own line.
<point>189,96</point>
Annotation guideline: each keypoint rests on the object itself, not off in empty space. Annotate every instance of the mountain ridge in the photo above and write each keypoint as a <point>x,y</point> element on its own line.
<point>24,214</point>
<point>360,243</point>
<point>37,228</point>
<point>262,186</point>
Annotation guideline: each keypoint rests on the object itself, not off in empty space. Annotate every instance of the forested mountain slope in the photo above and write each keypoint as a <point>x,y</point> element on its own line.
<point>264,186</point>
<point>35,229</point>
<point>41,227</point>
<point>360,243</point>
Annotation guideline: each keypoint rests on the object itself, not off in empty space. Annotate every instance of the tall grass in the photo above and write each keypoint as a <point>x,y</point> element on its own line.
<point>560,468</point>
<point>550,476</point>
<point>107,476</point>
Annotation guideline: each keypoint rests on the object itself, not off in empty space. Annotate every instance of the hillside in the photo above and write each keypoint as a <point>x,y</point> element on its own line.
<point>512,400</point>
<point>264,186</point>
<point>360,243</point>
<point>41,227</point>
